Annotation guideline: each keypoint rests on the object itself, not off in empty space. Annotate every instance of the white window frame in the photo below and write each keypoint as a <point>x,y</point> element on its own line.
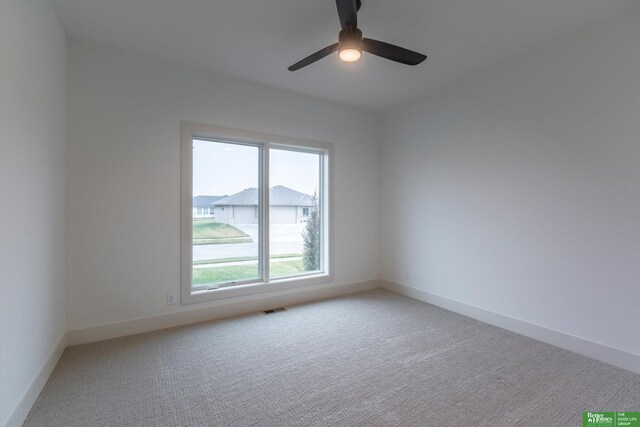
<point>189,131</point>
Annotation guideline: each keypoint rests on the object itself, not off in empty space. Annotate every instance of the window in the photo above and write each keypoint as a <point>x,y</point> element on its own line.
<point>268,226</point>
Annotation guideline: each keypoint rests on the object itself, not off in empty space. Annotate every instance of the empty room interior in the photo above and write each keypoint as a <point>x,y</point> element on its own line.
<point>320,213</point>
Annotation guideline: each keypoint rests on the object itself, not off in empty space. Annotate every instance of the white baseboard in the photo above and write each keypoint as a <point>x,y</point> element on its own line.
<point>594,350</point>
<point>217,310</point>
<point>20,412</point>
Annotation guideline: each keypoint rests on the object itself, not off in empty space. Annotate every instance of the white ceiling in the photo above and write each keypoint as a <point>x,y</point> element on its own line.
<point>258,39</point>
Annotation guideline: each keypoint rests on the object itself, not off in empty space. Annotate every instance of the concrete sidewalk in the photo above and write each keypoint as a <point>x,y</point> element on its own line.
<point>226,264</point>
<point>284,239</point>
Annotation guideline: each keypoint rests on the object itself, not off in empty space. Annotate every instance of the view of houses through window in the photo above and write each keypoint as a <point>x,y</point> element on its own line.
<point>294,232</point>
<point>227,219</point>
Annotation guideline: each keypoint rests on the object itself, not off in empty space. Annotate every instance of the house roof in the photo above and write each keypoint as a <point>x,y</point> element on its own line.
<point>248,196</point>
<point>205,201</point>
<point>278,196</point>
<point>284,196</point>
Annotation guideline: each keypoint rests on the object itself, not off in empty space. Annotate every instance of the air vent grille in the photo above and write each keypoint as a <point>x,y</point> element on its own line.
<point>275,310</point>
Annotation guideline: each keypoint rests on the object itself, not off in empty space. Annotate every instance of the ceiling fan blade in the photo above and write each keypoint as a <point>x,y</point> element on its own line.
<point>392,52</point>
<point>314,57</point>
<point>348,12</point>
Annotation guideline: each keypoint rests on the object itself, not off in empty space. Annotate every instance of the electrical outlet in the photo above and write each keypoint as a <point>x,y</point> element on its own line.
<point>171,299</point>
<point>406,276</point>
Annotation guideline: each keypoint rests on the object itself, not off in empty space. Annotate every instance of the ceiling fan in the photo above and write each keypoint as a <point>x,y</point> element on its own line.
<point>351,43</point>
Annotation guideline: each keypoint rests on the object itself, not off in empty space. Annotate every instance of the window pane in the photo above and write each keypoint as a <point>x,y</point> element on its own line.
<point>226,212</point>
<point>295,245</point>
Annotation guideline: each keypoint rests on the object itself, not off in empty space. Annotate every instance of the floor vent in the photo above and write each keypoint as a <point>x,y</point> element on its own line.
<point>275,310</point>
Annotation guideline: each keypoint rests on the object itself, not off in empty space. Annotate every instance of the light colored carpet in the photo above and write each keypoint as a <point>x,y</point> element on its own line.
<point>371,359</point>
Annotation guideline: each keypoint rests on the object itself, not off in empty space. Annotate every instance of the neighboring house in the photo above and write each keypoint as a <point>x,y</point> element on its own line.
<point>203,207</point>
<point>287,207</point>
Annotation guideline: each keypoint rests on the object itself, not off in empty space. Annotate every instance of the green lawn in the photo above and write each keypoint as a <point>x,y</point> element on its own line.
<point>236,273</point>
<point>208,232</point>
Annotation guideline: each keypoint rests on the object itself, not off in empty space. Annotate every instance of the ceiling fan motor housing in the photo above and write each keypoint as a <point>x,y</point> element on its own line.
<point>350,38</point>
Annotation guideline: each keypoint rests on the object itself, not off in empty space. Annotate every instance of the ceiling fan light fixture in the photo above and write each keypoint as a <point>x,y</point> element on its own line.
<point>350,54</point>
<point>350,44</point>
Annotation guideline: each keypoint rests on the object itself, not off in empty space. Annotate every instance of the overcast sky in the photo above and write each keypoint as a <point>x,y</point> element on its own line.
<point>224,169</point>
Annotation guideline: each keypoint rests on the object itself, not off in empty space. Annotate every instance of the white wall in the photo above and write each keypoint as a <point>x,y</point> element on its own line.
<point>519,191</point>
<point>123,181</point>
<point>32,138</point>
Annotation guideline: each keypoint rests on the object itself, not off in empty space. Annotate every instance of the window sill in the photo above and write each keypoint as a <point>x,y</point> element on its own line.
<point>255,288</point>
